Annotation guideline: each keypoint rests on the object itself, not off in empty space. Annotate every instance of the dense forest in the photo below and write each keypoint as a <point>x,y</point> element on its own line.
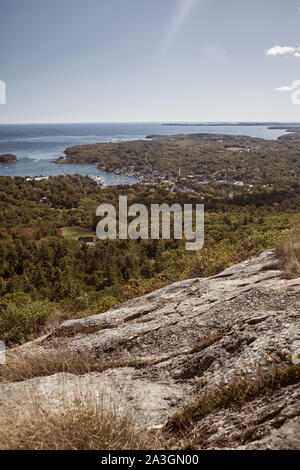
<point>46,276</point>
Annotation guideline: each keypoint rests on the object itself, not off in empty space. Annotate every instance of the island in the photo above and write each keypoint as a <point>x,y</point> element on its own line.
<point>8,158</point>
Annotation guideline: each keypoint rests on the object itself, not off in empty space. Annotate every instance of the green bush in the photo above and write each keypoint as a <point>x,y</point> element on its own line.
<point>106,303</point>
<point>22,318</point>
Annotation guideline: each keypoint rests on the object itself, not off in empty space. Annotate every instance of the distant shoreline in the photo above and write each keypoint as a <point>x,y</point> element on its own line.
<point>292,130</point>
<point>275,125</point>
<point>49,143</point>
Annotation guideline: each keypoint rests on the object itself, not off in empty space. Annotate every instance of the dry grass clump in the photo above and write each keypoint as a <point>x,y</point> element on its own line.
<point>41,363</point>
<point>238,393</point>
<point>87,424</point>
<point>288,253</point>
<point>204,342</point>
<point>68,417</point>
<point>45,362</point>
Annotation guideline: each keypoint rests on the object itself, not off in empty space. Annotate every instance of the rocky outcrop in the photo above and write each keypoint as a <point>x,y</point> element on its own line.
<point>270,423</point>
<point>8,158</point>
<point>185,339</point>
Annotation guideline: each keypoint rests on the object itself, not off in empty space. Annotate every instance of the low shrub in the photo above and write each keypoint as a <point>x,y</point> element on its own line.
<point>237,393</point>
<point>21,318</point>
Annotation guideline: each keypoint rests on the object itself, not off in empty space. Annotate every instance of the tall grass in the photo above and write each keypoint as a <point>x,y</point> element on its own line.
<point>84,424</point>
<point>42,363</point>
<point>288,253</point>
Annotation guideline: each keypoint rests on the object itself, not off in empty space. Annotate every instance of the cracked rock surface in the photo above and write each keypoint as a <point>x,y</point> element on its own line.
<point>192,336</point>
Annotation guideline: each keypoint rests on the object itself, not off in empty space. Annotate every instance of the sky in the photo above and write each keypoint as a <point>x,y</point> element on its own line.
<point>149,60</point>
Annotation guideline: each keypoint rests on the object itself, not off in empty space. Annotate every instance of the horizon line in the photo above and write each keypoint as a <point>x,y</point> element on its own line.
<point>151,122</point>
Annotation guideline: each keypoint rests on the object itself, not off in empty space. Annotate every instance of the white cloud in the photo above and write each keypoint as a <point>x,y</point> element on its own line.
<point>183,12</point>
<point>292,87</point>
<point>283,50</point>
<point>284,88</point>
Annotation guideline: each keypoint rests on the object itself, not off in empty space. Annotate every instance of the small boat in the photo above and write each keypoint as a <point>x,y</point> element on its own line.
<point>99,179</point>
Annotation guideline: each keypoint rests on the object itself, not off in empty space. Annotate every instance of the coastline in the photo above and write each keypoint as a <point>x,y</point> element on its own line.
<point>40,167</point>
<point>142,159</point>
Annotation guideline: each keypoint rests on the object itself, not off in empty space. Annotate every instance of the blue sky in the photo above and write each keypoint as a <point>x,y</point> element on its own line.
<point>149,60</point>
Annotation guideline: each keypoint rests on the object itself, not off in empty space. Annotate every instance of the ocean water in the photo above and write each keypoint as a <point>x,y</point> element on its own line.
<point>37,145</point>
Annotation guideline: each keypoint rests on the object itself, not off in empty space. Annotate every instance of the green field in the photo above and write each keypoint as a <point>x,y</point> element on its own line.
<point>74,232</point>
